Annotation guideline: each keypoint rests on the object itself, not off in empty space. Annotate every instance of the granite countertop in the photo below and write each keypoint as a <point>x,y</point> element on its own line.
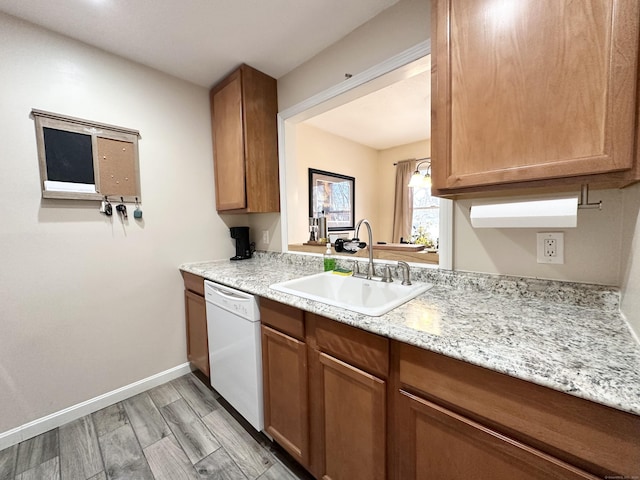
<point>569,337</point>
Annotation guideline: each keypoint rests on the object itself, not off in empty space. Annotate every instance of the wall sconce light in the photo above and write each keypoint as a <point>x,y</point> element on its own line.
<point>420,180</point>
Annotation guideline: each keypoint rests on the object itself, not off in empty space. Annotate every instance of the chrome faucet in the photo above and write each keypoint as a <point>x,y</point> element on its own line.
<point>370,270</point>
<point>406,275</point>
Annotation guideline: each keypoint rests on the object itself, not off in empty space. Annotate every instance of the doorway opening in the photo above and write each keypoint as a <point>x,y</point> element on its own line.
<point>320,114</point>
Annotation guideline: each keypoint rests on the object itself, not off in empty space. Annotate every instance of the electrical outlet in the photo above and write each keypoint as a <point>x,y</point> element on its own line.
<point>550,247</point>
<point>265,236</point>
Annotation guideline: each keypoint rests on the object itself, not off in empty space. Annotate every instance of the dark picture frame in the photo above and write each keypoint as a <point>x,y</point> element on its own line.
<point>332,195</point>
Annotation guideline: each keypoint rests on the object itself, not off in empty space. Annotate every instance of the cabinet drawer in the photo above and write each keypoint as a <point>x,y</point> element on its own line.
<point>193,283</point>
<point>594,437</point>
<point>367,351</point>
<point>286,319</point>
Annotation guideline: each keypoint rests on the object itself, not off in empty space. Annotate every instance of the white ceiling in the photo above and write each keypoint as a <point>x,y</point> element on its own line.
<point>395,115</point>
<point>202,40</point>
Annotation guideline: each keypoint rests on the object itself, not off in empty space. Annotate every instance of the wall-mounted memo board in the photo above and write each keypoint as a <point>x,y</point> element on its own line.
<point>85,160</point>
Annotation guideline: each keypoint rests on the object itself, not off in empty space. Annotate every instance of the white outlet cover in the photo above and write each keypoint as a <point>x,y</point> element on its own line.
<point>559,238</point>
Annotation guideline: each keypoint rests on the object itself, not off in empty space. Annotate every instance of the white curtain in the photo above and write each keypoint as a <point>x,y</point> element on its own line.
<point>403,206</point>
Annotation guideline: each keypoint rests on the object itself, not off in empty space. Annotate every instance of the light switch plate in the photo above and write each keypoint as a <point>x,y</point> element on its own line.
<point>550,247</point>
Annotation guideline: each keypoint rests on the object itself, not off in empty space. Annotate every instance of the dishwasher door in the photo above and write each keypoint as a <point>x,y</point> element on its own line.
<point>235,353</point>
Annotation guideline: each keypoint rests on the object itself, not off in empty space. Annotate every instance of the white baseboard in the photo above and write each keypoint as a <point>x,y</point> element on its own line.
<point>56,419</point>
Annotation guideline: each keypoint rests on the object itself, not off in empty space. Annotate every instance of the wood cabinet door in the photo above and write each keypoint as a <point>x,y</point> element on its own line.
<point>197,340</point>
<point>228,144</point>
<point>286,403</point>
<point>532,90</point>
<point>260,108</point>
<point>437,443</point>
<point>352,407</point>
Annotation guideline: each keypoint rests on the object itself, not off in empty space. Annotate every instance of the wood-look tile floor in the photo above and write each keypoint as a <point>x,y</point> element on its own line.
<point>178,430</point>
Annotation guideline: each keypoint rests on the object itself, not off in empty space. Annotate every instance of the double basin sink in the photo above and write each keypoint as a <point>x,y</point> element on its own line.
<point>373,298</point>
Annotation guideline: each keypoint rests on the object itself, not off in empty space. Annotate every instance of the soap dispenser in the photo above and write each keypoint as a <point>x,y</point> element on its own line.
<point>329,261</point>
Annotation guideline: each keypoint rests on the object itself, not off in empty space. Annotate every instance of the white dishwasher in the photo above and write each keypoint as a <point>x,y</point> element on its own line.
<point>235,353</point>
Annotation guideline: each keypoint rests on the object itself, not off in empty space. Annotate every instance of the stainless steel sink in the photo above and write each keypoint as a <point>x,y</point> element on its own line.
<point>356,294</point>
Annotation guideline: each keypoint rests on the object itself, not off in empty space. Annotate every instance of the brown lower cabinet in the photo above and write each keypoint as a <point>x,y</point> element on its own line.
<point>352,405</point>
<point>285,378</point>
<point>441,444</point>
<point>457,421</point>
<point>351,410</point>
<point>325,393</point>
<point>196,322</point>
<point>348,372</point>
<point>286,416</point>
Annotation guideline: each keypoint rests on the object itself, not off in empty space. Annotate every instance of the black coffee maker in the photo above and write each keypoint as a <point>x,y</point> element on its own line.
<point>243,247</point>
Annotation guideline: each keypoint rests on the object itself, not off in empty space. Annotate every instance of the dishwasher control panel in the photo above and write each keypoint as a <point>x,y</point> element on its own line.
<point>235,301</point>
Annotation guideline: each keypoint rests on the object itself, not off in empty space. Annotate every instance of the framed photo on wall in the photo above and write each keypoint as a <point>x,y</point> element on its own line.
<point>333,196</point>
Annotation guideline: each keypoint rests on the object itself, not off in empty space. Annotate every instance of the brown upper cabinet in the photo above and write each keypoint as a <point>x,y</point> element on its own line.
<point>534,94</point>
<point>244,109</point>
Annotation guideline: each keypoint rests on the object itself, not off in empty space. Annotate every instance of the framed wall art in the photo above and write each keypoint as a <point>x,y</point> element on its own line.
<point>332,195</point>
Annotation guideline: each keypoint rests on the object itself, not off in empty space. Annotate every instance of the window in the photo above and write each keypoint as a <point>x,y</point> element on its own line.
<point>425,224</point>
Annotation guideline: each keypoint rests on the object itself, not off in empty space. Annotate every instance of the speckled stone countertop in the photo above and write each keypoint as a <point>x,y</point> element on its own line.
<point>566,336</point>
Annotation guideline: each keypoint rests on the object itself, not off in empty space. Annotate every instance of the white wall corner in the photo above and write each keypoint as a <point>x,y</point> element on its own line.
<point>635,333</point>
<point>630,259</point>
